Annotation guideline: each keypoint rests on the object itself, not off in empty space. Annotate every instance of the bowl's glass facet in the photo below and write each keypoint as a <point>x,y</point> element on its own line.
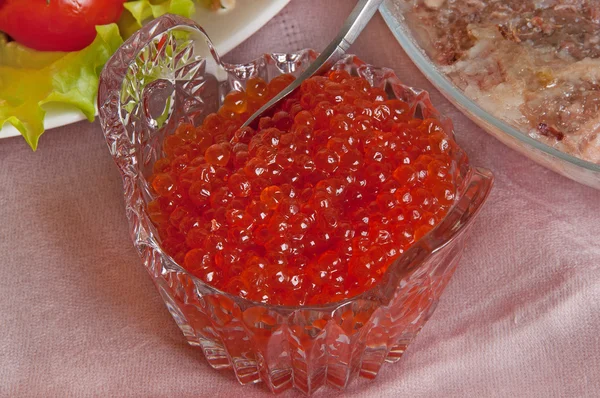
<point>168,73</point>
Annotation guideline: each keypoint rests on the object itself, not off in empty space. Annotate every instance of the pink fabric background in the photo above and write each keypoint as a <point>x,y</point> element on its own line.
<point>80,317</point>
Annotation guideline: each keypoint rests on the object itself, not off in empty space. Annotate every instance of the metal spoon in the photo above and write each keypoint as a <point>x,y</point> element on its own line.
<point>354,24</point>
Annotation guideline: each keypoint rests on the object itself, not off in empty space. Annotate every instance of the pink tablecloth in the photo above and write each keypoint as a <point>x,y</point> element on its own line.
<point>80,317</point>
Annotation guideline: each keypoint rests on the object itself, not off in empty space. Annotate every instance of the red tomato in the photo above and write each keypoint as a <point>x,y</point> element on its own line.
<point>56,25</point>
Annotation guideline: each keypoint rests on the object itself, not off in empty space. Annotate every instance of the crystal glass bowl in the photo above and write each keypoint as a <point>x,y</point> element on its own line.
<point>168,73</point>
<point>577,169</point>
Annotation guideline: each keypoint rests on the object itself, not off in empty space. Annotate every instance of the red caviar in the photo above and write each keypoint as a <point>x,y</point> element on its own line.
<point>314,205</point>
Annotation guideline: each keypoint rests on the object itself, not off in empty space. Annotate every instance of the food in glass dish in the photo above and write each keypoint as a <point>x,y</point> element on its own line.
<point>533,64</point>
<point>304,346</point>
<point>314,205</point>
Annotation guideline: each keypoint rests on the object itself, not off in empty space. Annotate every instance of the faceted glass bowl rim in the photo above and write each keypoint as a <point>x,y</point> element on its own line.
<point>412,259</point>
<point>416,54</point>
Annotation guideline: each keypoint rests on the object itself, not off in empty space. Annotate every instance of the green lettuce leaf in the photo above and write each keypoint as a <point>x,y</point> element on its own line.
<point>142,10</point>
<point>29,79</point>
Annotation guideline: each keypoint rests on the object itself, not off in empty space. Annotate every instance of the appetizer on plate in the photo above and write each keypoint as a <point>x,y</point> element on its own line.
<point>52,51</point>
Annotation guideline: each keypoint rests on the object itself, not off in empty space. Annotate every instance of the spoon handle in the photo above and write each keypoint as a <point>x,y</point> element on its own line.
<point>354,24</point>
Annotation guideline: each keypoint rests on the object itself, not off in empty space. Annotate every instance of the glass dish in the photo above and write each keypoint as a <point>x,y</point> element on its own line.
<point>582,171</point>
<point>167,73</point>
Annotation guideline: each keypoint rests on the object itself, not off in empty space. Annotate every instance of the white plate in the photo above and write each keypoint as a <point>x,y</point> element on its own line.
<point>226,29</point>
